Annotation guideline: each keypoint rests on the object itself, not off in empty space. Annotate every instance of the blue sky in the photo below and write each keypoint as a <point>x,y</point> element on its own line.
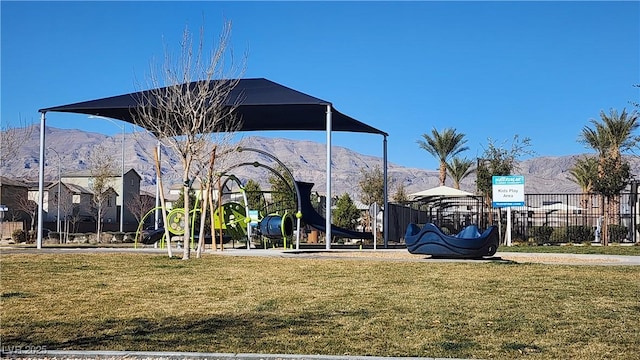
<point>488,69</point>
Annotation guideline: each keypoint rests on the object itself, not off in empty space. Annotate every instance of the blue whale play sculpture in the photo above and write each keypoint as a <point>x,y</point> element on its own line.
<point>468,243</point>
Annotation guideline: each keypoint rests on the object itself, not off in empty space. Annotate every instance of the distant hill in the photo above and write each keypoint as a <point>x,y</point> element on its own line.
<point>306,159</point>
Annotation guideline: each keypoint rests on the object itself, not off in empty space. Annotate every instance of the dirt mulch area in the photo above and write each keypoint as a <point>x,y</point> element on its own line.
<point>504,256</point>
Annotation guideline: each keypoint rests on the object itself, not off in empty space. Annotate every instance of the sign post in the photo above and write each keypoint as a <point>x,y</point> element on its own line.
<point>508,191</point>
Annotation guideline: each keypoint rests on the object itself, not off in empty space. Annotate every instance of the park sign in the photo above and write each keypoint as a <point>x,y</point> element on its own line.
<point>508,190</point>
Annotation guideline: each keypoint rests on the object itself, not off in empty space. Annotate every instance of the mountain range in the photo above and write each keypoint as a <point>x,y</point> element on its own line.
<point>305,159</point>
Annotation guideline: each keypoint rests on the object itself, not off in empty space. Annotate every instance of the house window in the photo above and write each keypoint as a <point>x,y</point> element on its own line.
<point>109,201</point>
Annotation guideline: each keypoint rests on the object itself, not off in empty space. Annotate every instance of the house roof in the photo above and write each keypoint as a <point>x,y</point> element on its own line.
<point>12,182</point>
<point>87,173</point>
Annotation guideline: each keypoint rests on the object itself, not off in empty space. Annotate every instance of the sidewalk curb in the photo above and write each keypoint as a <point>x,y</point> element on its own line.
<point>74,354</point>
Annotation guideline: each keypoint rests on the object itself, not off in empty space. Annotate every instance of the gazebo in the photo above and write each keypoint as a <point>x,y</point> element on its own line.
<point>261,104</point>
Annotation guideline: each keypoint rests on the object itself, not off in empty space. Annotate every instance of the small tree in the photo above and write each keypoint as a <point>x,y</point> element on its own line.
<point>255,196</point>
<point>498,161</point>
<point>400,196</point>
<point>459,169</point>
<point>29,207</point>
<point>584,173</point>
<point>283,194</point>
<point>346,213</point>
<point>372,186</point>
<point>102,168</point>
<point>67,210</point>
<point>189,103</point>
<point>139,206</point>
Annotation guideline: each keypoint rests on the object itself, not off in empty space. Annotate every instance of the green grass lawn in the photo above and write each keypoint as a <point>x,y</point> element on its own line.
<point>320,306</point>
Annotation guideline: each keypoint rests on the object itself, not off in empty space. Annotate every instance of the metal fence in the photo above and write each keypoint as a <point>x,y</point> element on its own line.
<point>546,218</point>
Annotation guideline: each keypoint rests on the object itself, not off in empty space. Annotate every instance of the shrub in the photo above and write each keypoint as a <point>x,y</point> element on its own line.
<point>79,238</point>
<point>617,233</point>
<point>580,233</point>
<point>32,236</point>
<point>92,238</point>
<point>559,235</point>
<point>118,237</point>
<point>542,234</point>
<point>19,236</point>
<point>129,237</point>
<point>54,235</point>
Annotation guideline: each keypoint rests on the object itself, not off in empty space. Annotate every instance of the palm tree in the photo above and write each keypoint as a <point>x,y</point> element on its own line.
<point>443,146</point>
<point>610,137</point>
<point>459,169</point>
<point>613,135</point>
<point>584,173</point>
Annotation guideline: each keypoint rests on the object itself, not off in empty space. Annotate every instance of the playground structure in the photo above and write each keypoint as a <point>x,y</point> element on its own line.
<point>238,221</point>
<point>467,244</point>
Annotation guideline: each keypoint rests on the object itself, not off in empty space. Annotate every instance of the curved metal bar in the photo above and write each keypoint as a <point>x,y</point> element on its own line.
<point>257,164</point>
<point>246,203</point>
<point>298,213</point>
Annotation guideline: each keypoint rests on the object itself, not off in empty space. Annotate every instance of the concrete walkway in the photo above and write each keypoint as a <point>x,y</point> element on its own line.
<point>401,255</point>
<point>149,355</point>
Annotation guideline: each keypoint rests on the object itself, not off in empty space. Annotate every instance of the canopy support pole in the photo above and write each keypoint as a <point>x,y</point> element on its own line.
<point>385,209</point>
<point>43,121</point>
<point>156,224</point>
<point>327,210</point>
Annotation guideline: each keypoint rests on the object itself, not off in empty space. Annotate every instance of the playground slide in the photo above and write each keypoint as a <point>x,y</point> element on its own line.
<point>311,217</point>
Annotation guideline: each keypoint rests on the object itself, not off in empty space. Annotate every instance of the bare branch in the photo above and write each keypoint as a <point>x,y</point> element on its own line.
<point>188,107</point>
<point>11,138</point>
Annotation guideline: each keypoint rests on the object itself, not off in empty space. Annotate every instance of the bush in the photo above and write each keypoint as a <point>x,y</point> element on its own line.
<point>542,234</point>
<point>31,236</point>
<point>54,235</point>
<point>580,233</point>
<point>79,238</point>
<point>559,235</point>
<point>129,237</point>
<point>118,237</point>
<point>19,236</point>
<point>617,233</point>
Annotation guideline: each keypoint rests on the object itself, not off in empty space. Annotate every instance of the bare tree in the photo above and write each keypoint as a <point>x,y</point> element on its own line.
<point>188,103</point>
<point>29,207</point>
<point>103,168</point>
<point>139,206</point>
<point>67,208</point>
<point>372,185</point>
<point>11,139</point>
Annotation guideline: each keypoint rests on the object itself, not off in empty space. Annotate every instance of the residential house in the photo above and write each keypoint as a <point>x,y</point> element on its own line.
<point>12,197</point>
<point>176,189</point>
<point>131,191</point>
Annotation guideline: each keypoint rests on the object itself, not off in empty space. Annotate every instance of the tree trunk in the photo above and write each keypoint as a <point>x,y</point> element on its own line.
<point>443,173</point>
<point>186,237</point>
<point>605,221</point>
<point>203,217</point>
<point>99,224</point>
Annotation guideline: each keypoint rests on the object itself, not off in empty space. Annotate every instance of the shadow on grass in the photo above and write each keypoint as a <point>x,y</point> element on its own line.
<point>248,332</point>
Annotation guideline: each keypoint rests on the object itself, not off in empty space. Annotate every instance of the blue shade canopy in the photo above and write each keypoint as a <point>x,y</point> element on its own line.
<point>261,105</point>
